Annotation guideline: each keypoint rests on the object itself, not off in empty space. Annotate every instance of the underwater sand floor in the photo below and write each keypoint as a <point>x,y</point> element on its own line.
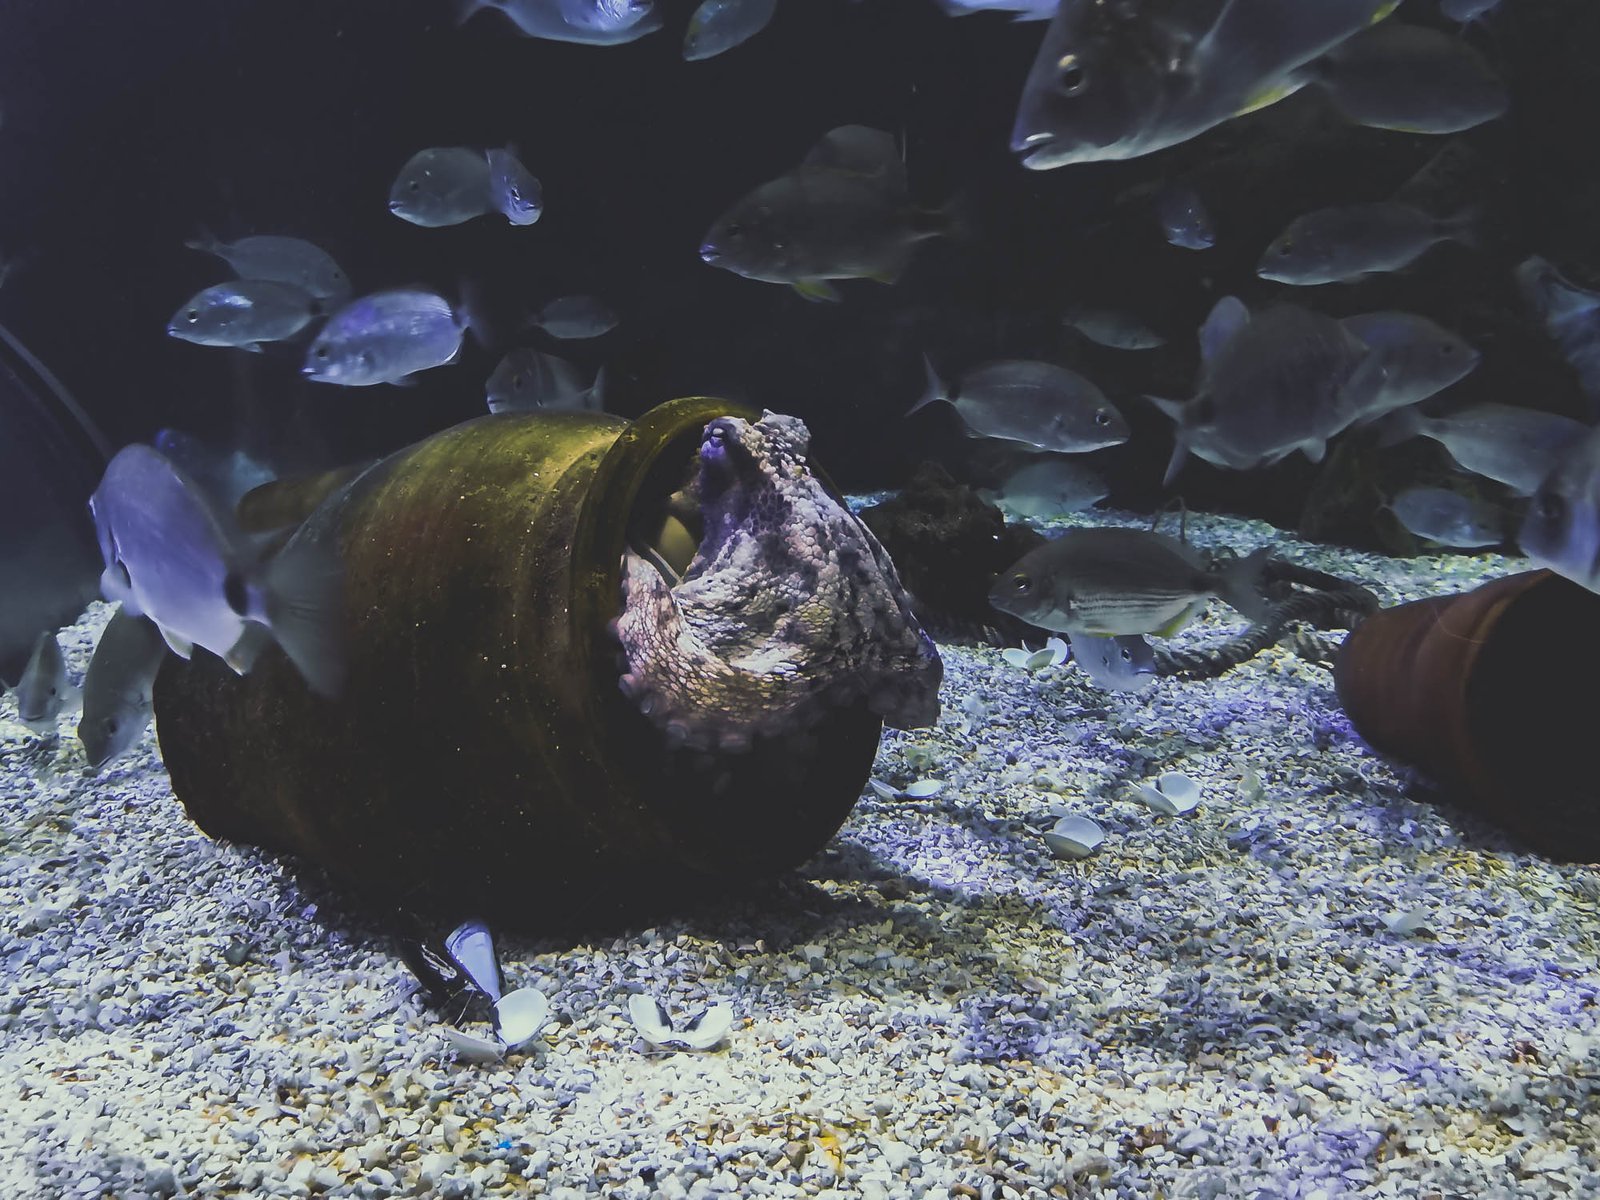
<point>1212,1005</point>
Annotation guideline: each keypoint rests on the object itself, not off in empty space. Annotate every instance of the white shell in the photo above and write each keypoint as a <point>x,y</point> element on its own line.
<point>473,1049</point>
<point>1404,923</point>
<point>521,1015</point>
<point>709,1028</point>
<point>1074,837</point>
<point>923,788</point>
<point>883,790</point>
<point>1172,794</point>
<point>1058,651</point>
<point>473,949</point>
<point>1053,655</point>
<point>1016,656</point>
<point>705,1031</point>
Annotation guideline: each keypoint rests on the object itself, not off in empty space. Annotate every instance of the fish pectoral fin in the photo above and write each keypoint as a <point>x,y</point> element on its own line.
<point>1182,619</point>
<point>180,646</point>
<point>817,290</point>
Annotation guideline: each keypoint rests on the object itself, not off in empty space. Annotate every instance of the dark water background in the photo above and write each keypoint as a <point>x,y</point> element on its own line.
<point>127,127</point>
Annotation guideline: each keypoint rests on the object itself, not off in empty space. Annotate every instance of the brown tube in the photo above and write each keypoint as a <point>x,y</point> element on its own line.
<point>1490,694</point>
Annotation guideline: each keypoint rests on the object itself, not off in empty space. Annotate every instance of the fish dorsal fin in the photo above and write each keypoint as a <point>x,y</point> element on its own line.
<point>1227,317</point>
<point>284,502</point>
<point>859,150</point>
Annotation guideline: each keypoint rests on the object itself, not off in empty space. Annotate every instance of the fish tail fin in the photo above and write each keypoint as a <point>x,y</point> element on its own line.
<point>1465,227</point>
<point>935,390</point>
<point>1171,408</point>
<point>1180,452</point>
<point>1399,426</point>
<point>203,240</point>
<point>1239,583</point>
<point>465,8</point>
<point>304,608</point>
<point>473,310</point>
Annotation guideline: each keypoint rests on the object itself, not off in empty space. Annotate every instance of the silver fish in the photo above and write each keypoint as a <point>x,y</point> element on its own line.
<point>1020,10</point>
<point>574,318</point>
<point>1119,330</point>
<point>244,313</point>
<point>171,554</point>
<point>1110,582</point>
<point>720,25</point>
<point>442,185</point>
<point>224,475</point>
<point>1049,488</point>
<point>1448,517</point>
<point>1282,380</point>
<point>528,380</point>
<point>44,689</point>
<point>1514,446</point>
<point>1038,403</point>
<point>843,213</point>
<point>117,687</point>
<point>1120,80</point>
<point>384,338</point>
<point>1561,529</point>
<point>1419,357</point>
<point>1335,245</point>
<point>1123,664</point>
<point>1571,316</point>
<point>1406,77</point>
<point>1467,11</point>
<point>514,192</point>
<point>588,22</point>
<point>290,260</point>
<point>1183,217</point>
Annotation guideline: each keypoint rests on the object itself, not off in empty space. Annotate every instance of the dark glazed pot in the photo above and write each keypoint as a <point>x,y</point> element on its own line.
<point>1489,693</point>
<point>481,755</point>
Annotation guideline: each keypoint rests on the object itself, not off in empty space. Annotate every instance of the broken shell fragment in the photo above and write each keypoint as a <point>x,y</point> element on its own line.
<point>473,1049</point>
<point>472,949</point>
<point>1053,654</point>
<point>1074,837</point>
<point>702,1033</point>
<point>521,1014</point>
<point>883,790</point>
<point>1172,794</point>
<point>923,788</point>
<point>1405,923</point>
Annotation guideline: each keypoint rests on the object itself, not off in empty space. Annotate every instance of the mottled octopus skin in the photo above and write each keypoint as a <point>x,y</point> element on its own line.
<point>788,606</point>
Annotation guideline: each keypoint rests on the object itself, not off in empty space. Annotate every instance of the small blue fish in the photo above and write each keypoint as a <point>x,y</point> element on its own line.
<point>243,313</point>
<point>574,318</point>
<point>1123,664</point>
<point>385,338</point>
<point>117,704</point>
<point>173,555</point>
<point>1447,517</point>
<point>280,259</point>
<point>588,22</point>
<point>442,185</point>
<point>513,190</point>
<point>720,25</point>
<point>1346,242</point>
<point>1183,217</point>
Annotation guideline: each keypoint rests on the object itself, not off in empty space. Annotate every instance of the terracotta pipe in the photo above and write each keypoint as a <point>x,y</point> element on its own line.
<point>1490,694</point>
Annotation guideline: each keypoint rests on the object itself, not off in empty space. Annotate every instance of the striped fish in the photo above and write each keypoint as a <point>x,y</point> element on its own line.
<point>1107,582</point>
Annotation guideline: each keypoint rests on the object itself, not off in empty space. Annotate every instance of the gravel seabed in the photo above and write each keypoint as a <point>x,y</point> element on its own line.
<point>1210,1006</point>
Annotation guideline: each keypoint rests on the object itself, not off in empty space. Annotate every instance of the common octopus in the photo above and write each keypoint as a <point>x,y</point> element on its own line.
<point>788,607</point>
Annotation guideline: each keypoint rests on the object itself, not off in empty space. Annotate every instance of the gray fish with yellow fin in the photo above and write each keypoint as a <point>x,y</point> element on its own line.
<point>1111,582</point>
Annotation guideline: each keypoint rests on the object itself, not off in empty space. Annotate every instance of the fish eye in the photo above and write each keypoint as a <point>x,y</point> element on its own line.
<point>1021,584</point>
<point>414,186</point>
<point>111,725</point>
<point>1071,75</point>
<point>192,315</point>
<point>1102,417</point>
<point>1285,246</point>
<point>1127,655</point>
<point>322,352</point>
